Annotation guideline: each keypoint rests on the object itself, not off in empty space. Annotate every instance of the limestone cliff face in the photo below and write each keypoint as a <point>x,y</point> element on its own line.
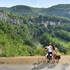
<point>46,23</point>
<point>12,20</point>
<point>3,16</point>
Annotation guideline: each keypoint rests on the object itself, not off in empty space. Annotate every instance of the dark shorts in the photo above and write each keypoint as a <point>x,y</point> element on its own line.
<point>49,55</point>
<point>58,57</point>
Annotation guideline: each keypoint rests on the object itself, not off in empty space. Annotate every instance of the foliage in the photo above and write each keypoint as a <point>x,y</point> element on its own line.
<point>20,39</point>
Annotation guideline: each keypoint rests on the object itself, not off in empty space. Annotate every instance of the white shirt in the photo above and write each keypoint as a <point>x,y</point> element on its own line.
<point>49,48</point>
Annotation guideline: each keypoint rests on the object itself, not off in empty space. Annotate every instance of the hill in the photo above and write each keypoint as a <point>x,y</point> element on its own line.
<point>57,10</point>
<point>26,36</point>
<point>25,31</point>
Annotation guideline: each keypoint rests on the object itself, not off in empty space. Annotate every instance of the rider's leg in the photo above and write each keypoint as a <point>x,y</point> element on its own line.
<point>53,58</point>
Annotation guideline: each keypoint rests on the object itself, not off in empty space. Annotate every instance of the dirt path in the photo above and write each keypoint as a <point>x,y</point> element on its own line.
<point>31,67</point>
<point>21,60</point>
<point>65,60</point>
<point>25,63</point>
<point>30,60</point>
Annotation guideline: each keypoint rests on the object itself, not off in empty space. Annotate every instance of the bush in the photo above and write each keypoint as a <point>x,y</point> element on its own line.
<point>39,51</point>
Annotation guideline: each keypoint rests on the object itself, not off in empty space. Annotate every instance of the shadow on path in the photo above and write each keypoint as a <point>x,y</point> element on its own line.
<point>65,66</point>
<point>44,65</point>
<point>50,66</point>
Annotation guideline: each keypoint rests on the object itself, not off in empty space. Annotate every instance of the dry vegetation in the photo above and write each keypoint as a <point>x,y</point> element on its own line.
<point>30,60</point>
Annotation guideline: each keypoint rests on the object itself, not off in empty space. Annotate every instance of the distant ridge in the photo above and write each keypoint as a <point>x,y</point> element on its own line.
<point>57,10</point>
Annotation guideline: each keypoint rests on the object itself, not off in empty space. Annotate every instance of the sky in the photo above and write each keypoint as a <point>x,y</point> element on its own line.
<point>33,3</point>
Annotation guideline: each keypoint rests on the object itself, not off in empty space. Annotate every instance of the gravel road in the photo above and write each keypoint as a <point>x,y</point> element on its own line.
<point>30,67</point>
<point>24,63</point>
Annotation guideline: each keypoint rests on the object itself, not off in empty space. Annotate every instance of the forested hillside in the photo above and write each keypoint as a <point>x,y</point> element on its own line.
<point>28,35</point>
